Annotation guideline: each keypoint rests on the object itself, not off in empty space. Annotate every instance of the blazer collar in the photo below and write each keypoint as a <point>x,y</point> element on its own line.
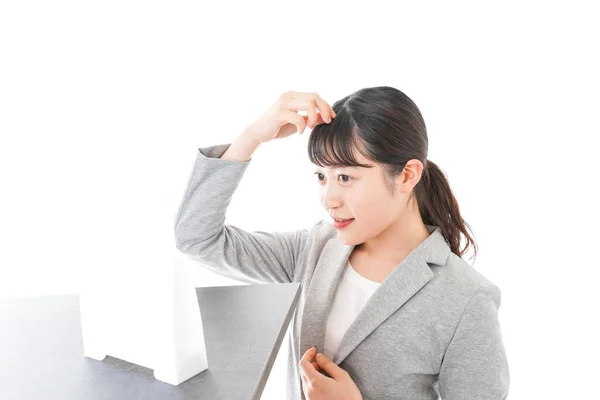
<point>409,276</point>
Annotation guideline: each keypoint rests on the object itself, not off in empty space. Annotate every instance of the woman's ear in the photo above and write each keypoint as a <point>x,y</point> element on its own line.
<point>411,175</point>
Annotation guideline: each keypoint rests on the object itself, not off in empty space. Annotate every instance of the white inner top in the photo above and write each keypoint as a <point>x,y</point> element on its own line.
<point>350,296</point>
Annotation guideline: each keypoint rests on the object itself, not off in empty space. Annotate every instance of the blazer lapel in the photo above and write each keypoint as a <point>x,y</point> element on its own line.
<point>409,276</point>
<point>319,294</point>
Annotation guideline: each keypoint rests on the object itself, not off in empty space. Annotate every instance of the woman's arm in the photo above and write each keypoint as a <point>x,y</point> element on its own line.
<point>201,232</point>
<point>200,229</point>
<point>475,364</point>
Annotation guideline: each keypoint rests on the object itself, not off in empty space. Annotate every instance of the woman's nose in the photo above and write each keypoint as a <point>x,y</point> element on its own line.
<point>330,199</point>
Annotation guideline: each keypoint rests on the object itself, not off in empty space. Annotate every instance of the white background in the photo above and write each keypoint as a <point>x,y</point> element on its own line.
<point>103,106</point>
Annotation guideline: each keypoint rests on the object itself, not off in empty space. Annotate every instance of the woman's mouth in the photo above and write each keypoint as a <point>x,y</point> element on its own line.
<point>342,224</point>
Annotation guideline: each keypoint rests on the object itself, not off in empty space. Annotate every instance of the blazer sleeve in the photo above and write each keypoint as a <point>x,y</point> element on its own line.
<point>475,364</point>
<point>202,235</point>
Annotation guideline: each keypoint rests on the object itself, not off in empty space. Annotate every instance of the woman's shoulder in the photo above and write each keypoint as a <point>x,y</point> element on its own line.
<point>460,277</point>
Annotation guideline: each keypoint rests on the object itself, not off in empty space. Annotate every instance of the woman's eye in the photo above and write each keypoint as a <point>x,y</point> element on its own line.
<point>345,181</point>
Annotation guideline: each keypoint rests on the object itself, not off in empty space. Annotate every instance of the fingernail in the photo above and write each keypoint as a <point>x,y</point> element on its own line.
<point>319,356</point>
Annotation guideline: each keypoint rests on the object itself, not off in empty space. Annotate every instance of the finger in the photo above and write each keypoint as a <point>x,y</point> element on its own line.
<point>312,114</point>
<point>309,354</point>
<point>294,118</point>
<point>324,108</point>
<point>305,104</point>
<point>304,377</point>
<point>334,370</point>
<point>306,366</point>
<point>309,372</point>
<point>290,94</point>
<point>319,119</point>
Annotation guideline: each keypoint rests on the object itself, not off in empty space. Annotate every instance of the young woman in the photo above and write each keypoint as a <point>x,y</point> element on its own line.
<point>386,299</point>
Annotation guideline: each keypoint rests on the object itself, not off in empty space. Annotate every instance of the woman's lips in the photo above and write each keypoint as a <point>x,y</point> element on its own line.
<point>343,224</point>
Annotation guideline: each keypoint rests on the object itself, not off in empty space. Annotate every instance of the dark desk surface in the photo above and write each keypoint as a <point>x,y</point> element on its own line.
<point>41,349</point>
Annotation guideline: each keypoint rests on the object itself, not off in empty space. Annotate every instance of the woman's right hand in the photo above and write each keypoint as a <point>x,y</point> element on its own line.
<point>281,119</point>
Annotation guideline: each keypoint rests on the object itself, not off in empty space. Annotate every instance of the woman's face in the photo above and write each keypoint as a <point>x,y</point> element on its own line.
<point>363,194</point>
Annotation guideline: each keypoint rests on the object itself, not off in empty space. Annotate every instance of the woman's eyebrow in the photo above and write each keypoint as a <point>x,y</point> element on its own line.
<point>343,167</point>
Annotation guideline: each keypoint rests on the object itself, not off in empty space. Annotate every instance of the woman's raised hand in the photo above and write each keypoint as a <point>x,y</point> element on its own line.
<point>281,119</point>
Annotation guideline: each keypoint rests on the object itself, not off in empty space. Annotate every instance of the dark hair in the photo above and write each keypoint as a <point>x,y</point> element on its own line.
<point>385,126</point>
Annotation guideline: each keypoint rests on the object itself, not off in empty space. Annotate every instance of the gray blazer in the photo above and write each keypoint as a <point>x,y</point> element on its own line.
<point>431,328</point>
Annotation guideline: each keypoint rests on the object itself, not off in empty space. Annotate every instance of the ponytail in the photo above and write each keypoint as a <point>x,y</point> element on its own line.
<point>439,207</point>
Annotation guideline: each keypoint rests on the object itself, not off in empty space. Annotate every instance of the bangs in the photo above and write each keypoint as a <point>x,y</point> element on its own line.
<point>334,144</point>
